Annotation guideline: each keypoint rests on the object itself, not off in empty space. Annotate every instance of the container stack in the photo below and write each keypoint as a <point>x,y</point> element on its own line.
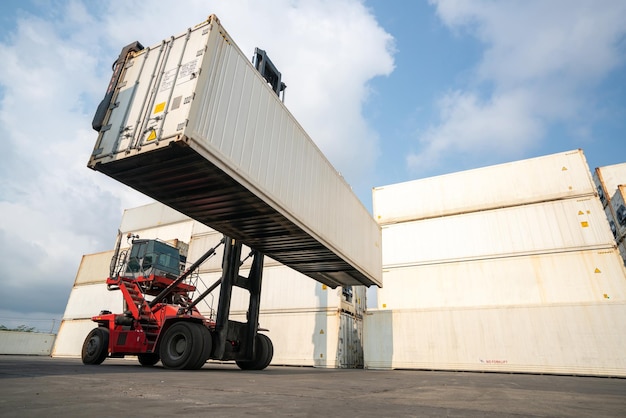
<point>505,268</point>
<point>309,323</point>
<point>610,183</point>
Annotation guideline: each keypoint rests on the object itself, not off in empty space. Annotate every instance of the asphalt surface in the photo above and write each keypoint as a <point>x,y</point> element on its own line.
<point>44,386</point>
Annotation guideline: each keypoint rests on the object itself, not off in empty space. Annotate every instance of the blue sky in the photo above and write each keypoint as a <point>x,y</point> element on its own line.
<point>390,91</point>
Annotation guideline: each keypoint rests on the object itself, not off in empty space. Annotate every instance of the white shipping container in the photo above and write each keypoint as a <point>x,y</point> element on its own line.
<point>557,176</point>
<point>200,244</point>
<point>180,231</point>
<point>618,207</point>
<point>150,216</point>
<point>26,343</point>
<point>561,225</point>
<point>546,279</point>
<point>94,268</point>
<point>70,338</point>
<point>196,127</point>
<point>587,339</point>
<point>321,339</point>
<point>88,300</point>
<point>607,179</point>
<point>284,289</point>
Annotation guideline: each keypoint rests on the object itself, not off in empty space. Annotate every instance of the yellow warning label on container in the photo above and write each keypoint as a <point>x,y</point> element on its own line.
<point>584,224</point>
<point>606,296</point>
<point>152,136</point>
<point>564,168</point>
<point>322,332</point>
<point>324,287</point>
<point>159,108</point>
<point>580,212</point>
<point>597,270</point>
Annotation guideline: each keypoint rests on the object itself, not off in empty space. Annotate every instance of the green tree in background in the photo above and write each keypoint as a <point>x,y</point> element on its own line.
<point>21,328</point>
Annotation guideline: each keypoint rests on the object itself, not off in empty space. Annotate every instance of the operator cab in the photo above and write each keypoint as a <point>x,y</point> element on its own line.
<point>152,257</point>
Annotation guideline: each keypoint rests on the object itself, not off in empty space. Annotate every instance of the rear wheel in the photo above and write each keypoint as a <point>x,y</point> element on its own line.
<point>96,346</point>
<point>181,346</point>
<point>148,359</point>
<point>263,354</point>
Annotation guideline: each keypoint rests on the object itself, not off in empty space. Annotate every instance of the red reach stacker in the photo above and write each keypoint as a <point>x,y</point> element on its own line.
<point>161,321</point>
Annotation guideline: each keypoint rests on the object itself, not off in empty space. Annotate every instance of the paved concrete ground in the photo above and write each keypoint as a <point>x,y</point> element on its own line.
<point>43,386</point>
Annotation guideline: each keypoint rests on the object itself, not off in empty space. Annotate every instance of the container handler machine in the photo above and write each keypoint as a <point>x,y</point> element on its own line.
<point>162,322</point>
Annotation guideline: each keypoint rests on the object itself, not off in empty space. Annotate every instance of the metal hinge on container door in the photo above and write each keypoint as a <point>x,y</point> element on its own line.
<point>130,63</point>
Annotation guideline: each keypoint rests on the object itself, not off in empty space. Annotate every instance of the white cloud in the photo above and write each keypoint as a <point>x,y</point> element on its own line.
<point>470,125</point>
<point>55,68</point>
<point>541,62</point>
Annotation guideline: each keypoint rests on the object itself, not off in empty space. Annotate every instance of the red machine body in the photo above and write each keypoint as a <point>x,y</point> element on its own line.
<point>137,330</point>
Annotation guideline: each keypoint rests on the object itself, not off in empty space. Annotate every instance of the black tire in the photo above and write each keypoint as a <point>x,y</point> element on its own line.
<point>96,346</point>
<point>269,354</point>
<point>262,357</point>
<point>148,359</point>
<point>207,345</point>
<point>181,346</point>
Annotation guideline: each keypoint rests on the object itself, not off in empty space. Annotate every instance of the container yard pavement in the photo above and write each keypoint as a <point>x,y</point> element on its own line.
<point>43,386</point>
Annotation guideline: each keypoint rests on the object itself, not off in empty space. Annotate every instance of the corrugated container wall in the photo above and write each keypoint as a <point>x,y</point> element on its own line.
<point>607,179</point>
<point>547,279</point>
<point>196,127</point>
<point>572,225</point>
<point>558,176</point>
<point>93,268</point>
<point>579,339</point>
<point>150,216</point>
<point>26,343</point>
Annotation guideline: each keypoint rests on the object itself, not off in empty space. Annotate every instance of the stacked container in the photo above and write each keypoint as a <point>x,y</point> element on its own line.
<point>310,324</point>
<point>510,267</point>
<point>610,181</point>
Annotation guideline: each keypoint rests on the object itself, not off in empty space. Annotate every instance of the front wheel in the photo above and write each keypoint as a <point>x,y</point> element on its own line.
<point>96,346</point>
<point>181,346</point>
